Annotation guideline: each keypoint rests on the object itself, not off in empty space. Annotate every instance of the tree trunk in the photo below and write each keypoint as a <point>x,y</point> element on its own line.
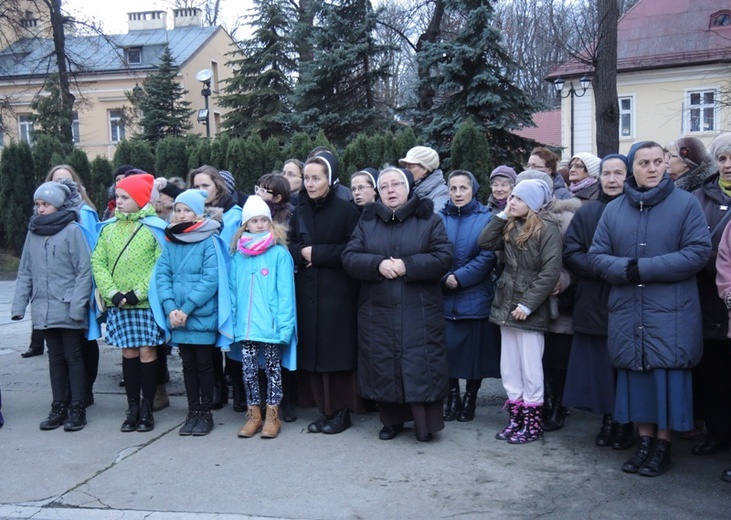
<point>426,92</point>
<point>605,79</point>
<point>59,50</point>
<point>306,20</point>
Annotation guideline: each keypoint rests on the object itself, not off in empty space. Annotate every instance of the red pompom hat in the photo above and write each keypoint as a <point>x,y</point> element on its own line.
<point>138,186</point>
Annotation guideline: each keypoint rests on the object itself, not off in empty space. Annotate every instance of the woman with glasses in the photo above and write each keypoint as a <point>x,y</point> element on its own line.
<point>544,160</point>
<point>363,186</point>
<point>399,252</point>
<point>584,176</point>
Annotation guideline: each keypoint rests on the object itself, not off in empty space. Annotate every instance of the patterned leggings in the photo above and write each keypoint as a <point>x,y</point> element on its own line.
<point>272,368</point>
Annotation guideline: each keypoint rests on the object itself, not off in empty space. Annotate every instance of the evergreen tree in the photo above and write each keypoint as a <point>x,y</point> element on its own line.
<point>272,155</point>
<point>236,160</point>
<point>258,91</point>
<point>298,147</point>
<point>17,185</point>
<point>79,161</point>
<point>470,151</point>
<point>51,118</point>
<point>137,153</point>
<point>171,158</point>
<point>160,102</point>
<point>101,179</point>
<point>469,76</point>
<point>338,90</point>
<point>200,154</point>
<point>45,146</point>
<point>219,147</point>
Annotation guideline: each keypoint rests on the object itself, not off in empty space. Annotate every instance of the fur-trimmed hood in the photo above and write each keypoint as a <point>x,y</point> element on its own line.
<point>415,206</point>
<point>693,179</point>
<point>561,211</point>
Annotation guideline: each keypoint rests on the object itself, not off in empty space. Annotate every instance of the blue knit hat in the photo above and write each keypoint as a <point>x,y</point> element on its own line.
<point>194,199</point>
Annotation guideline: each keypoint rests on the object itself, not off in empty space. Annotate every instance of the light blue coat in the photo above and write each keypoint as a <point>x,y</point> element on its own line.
<point>263,300</point>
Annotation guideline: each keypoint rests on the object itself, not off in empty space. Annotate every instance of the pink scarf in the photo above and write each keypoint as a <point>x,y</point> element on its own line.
<point>255,244</point>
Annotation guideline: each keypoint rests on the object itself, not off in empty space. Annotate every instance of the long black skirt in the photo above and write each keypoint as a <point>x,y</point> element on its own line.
<point>473,348</point>
<point>591,379</point>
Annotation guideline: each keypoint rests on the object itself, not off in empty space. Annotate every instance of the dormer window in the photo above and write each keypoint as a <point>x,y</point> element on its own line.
<point>133,55</point>
<point>721,18</point>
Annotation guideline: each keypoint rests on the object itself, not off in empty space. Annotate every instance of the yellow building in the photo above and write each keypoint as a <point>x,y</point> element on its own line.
<point>105,67</point>
<point>672,76</point>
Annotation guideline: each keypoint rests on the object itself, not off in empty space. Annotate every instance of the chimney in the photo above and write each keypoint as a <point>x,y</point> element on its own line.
<point>187,17</point>
<point>146,20</point>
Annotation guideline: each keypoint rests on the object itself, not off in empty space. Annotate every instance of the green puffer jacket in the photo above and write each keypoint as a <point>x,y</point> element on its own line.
<point>134,268</point>
<point>530,274</point>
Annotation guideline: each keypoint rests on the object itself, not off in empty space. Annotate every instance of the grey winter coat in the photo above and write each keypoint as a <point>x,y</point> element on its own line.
<point>654,311</point>
<point>530,274</point>
<point>433,187</point>
<point>55,277</point>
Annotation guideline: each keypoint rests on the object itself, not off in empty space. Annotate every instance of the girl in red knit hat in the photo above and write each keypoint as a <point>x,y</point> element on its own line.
<point>125,255</point>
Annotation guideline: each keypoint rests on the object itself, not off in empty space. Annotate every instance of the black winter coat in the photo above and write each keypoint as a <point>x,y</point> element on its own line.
<point>590,315</point>
<point>402,356</point>
<point>716,206</point>
<point>326,295</point>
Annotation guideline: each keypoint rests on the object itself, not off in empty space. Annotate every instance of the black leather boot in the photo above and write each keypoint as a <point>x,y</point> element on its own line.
<point>238,391</point>
<point>133,416</point>
<point>147,421</point>
<point>454,403</point>
<point>659,460</point>
<point>624,436</point>
<point>190,421</point>
<point>469,402</point>
<point>605,435</point>
<point>220,394</point>
<point>204,425</point>
<point>338,423</point>
<point>76,419</point>
<point>637,460</point>
<point>56,417</point>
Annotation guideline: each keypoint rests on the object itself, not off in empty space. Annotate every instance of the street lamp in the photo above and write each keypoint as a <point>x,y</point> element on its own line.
<point>204,77</point>
<point>558,84</point>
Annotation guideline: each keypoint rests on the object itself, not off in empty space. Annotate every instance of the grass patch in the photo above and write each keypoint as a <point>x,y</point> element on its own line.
<point>8,266</point>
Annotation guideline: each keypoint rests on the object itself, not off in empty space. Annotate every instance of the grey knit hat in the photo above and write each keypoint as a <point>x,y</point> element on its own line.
<point>54,193</point>
<point>533,192</point>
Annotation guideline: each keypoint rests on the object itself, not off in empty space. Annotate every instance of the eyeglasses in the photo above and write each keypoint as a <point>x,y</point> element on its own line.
<point>578,166</point>
<point>392,186</point>
<point>533,166</point>
<point>361,187</point>
<point>258,190</point>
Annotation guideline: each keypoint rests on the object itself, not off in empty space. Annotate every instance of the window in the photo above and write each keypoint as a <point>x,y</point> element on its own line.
<point>75,128</point>
<point>702,111</point>
<point>25,128</point>
<point>214,69</point>
<point>721,18</point>
<point>626,128</point>
<point>116,125</point>
<point>133,55</point>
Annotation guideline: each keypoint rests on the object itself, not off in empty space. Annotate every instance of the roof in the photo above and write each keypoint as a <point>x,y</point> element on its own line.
<point>100,54</point>
<point>547,130</point>
<point>664,34</point>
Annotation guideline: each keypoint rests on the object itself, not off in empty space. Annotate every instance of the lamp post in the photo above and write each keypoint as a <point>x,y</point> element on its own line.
<point>204,77</point>
<point>572,93</point>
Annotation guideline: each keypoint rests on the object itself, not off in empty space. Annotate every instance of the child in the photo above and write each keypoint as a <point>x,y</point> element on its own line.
<point>55,271</point>
<point>122,263</point>
<point>261,281</point>
<point>532,246</point>
<point>187,282</point>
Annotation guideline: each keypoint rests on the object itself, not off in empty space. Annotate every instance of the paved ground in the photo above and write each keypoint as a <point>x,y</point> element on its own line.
<point>465,473</point>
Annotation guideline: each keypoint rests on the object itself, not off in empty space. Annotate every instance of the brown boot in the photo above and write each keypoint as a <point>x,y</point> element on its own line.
<point>272,425</point>
<point>253,422</point>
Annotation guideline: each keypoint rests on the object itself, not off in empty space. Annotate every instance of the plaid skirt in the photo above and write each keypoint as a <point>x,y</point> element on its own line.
<point>133,328</point>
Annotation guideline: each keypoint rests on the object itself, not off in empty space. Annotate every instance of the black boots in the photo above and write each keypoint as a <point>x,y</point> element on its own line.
<point>190,421</point>
<point>454,403</point>
<point>56,417</point>
<point>76,419</point>
<point>133,416</point>
<point>624,436</point>
<point>659,460</point>
<point>338,422</point>
<point>238,391</point>
<point>204,424</point>
<point>220,394</point>
<point>469,402</point>
<point>554,413</point>
<point>606,432</point>
<point>642,453</point>
<point>147,421</point>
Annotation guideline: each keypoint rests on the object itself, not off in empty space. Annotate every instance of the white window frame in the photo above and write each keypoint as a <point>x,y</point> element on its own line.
<point>116,123</point>
<point>631,112</point>
<point>25,128</point>
<point>128,53</point>
<point>75,136</point>
<point>701,108</point>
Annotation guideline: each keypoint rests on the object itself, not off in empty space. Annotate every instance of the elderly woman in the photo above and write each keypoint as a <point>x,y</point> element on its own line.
<point>583,176</point>
<point>399,253</point>
<point>590,381</point>
<point>711,382</point>
<point>327,350</point>
<point>544,160</point>
<point>502,182</point>
<point>689,164</point>
<point>363,186</point>
<point>473,343</point>
<point>649,245</point>
<point>423,163</point>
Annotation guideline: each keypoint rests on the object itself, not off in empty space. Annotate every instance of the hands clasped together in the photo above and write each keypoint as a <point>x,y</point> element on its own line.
<point>392,268</point>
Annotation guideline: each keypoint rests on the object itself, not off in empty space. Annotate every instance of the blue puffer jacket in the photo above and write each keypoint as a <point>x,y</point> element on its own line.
<point>655,323</point>
<point>471,266</point>
<point>262,296</point>
<point>187,279</point>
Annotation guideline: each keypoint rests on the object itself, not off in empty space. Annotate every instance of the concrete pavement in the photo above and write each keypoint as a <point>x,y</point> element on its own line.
<point>101,473</point>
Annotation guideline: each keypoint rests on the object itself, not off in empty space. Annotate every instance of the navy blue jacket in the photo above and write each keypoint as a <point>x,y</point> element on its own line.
<point>471,266</point>
<point>654,322</point>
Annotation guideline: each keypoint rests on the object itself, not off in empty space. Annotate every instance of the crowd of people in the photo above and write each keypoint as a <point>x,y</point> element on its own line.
<point>606,289</point>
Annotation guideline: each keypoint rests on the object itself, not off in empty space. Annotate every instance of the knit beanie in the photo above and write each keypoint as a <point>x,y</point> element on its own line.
<point>607,157</point>
<point>255,207</point>
<point>122,170</point>
<point>139,187</point>
<point>504,171</point>
<point>591,161</point>
<point>331,168</point>
<point>722,143</point>
<point>535,174</point>
<point>406,174</point>
<point>194,199</point>
<point>533,192</point>
<point>691,151</point>
<point>423,155</point>
<point>370,172</point>
<point>52,192</point>
<point>171,190</point>
<point>229,180</point>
